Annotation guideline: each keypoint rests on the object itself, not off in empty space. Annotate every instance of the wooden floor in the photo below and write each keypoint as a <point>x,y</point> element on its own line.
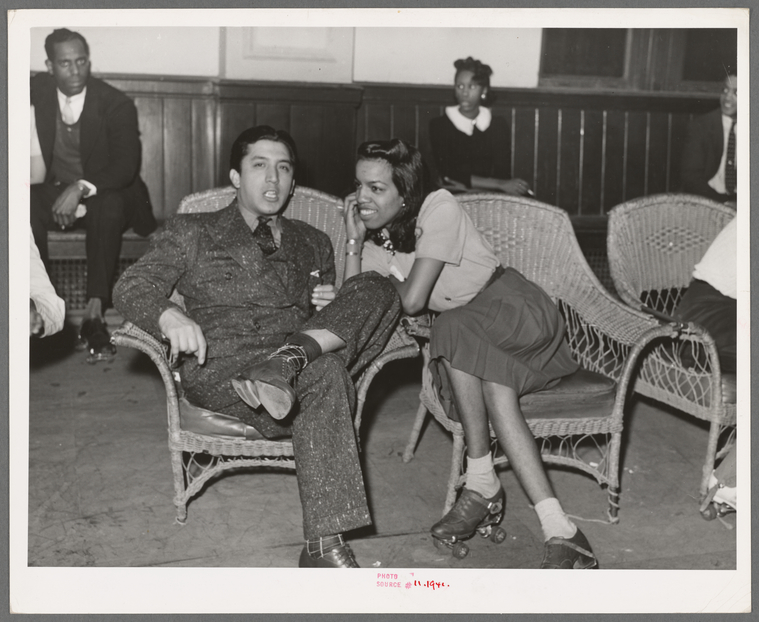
<point>100,485</point>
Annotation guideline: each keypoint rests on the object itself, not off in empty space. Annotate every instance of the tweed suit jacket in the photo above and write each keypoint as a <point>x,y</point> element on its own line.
<point>702,154</point>
<point>245,303</point>
<point>110,147</point>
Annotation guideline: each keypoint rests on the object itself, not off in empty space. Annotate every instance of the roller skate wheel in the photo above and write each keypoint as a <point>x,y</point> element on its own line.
<point>439,544</point>
<point>485,531</point>
<point>460,550</point>
<point>498,535</point>
<point>709,513</point>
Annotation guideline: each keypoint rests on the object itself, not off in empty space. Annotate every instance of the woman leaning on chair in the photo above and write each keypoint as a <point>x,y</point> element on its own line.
<point>471,147</point>
<point>498,336</point>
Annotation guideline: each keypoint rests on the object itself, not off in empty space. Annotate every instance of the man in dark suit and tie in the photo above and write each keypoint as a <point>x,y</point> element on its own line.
<point>266,336</point>
<point>708,163</point>
<point>90,144</point>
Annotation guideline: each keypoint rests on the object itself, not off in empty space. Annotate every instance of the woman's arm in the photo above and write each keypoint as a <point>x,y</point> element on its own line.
<point>507,186</point>
<point>416,289</point>
<point>356,232</point>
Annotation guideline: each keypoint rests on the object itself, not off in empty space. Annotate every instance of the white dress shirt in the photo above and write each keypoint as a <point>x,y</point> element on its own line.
<point>49,305</point>
<point>76,103</point>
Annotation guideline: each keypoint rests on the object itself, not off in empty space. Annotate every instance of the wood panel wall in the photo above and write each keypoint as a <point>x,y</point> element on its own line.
<point>582,151</point>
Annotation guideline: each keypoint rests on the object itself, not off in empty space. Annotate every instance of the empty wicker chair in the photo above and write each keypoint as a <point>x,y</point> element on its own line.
<point>579,422</point>
<point>653,245</point>
<point>203,443</point>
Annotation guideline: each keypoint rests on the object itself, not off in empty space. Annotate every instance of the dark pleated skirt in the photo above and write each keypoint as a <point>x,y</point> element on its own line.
<point>511,333</point>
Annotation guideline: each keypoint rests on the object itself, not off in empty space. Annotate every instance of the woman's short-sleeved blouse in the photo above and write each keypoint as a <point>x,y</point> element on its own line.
<point>445,232</point>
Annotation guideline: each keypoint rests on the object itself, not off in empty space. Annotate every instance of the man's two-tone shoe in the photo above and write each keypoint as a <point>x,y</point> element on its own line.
<point>340,556</point>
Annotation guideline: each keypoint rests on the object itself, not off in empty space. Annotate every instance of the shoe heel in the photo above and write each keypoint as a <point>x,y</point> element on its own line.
<point>247,391</point>
<point>277,402</point>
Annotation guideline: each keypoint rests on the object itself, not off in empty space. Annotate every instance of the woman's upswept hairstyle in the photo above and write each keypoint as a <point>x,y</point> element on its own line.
<point>482,73</point>
<point>411,178</point>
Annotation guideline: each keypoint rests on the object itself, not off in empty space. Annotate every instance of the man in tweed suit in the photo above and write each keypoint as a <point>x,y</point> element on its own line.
<point>267,337</point>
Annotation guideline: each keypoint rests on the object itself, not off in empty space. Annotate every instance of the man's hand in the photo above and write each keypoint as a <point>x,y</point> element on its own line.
<point>515,187</point>
<point>36,323</point>
<point>64,208</point>
<point>453,186</point>
<point>183,334</point>
<point>323,295</point>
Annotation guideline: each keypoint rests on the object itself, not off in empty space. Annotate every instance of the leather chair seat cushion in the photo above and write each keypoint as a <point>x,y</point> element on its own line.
<point>581,394</point>
<point>208,423</point>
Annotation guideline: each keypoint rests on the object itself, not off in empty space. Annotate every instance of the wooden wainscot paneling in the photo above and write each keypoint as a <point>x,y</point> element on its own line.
<point>177,119</point>
<point>320,118</point>
<point>582,151</point>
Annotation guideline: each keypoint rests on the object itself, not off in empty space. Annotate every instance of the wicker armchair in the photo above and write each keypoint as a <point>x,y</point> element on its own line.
<point>579,423</point>
<point>653,244</point>
<point>202,443</point>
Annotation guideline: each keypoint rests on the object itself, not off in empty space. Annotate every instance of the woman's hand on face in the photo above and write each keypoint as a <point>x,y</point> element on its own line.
<point>323,295</point>
<point>354,226</point>
<point>518,187</point>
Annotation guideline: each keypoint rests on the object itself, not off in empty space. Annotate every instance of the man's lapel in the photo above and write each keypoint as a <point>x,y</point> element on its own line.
<point>298,255</point>
<point>45,118</point>
<point>232,233</point>
<point>90,121</point>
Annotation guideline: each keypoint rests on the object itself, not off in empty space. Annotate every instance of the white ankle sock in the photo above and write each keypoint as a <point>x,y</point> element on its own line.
<point>553,520</point>
<point>481,477</point>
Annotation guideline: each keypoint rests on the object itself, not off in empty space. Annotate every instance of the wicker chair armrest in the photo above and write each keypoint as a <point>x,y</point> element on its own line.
<point>637,353</point>
<point>685,363</point>
<point>400,346</point>
<point>132,336</point>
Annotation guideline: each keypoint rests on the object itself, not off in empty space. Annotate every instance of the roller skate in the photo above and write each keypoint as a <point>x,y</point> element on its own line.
<point>721,498</point>
<point>472,512</point>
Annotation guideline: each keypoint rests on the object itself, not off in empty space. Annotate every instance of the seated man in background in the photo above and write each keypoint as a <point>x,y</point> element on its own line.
<point>711,296</point>
<point>708,166</point>
<point>261,312</point>
<point>90,146</point>
<point>46,309</point>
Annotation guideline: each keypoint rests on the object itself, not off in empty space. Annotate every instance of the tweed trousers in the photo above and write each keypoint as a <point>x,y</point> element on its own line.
<point>364,315</point>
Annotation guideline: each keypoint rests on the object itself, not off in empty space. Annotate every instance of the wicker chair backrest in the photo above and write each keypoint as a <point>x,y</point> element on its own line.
<point>538,240</point>
<point>654,242</point>
<point>318,209</point>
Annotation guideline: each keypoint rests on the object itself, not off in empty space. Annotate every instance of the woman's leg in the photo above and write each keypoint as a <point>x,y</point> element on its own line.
<point>482,499</point>
<point>517,441</point>
<point>566,546</point>
<point>470,404</point>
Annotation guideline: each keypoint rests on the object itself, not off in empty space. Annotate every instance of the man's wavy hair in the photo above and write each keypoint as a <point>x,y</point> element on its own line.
<point>482,73</point>
<point>62,35</point>
<point>253,135</point>
<point>410,177</point>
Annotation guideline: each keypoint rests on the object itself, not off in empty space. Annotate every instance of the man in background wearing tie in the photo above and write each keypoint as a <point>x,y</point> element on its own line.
<point>90,143</point>
<point>708,164</point>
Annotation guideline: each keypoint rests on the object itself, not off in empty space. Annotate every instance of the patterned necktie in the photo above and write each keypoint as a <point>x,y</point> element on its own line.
<point>731,176</point>
<point>67,113</point>
<point>264,236</point>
